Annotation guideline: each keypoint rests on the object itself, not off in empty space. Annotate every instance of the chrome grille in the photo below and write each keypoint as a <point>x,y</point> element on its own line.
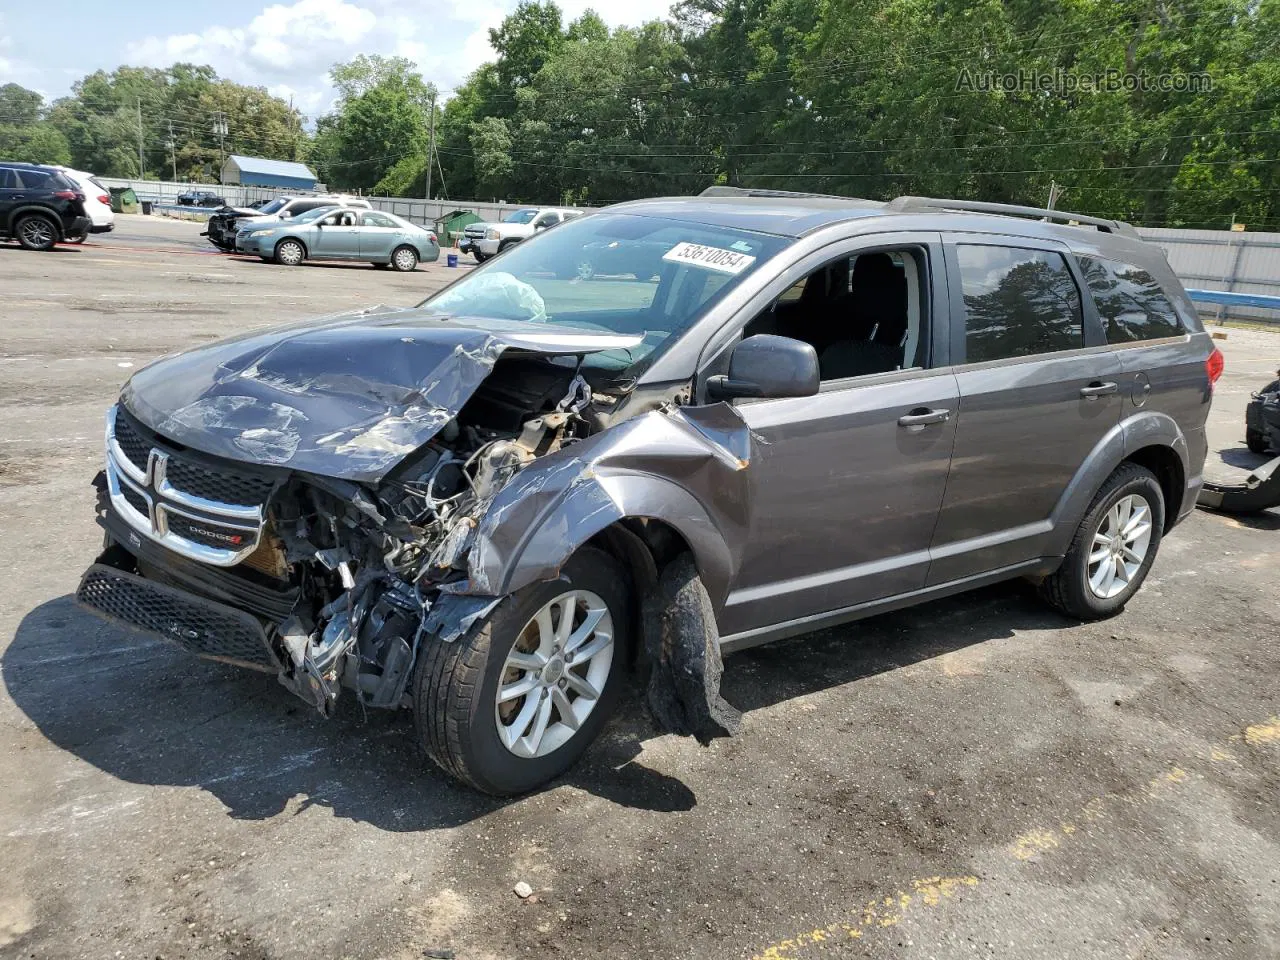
<point>201,513</point>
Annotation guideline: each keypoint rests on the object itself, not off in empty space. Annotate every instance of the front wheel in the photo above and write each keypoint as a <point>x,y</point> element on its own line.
<point>480,257</point>
<point>516,701</point>
<point>404,259</point>
<point>290,253</point>
<point>1113,548</point>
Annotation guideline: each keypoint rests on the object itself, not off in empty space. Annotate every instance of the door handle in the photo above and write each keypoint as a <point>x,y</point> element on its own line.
<point>1098,389</point>
<point>922,417</point>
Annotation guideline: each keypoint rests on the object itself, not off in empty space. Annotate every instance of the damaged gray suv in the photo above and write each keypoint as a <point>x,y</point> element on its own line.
<point>765,414</point>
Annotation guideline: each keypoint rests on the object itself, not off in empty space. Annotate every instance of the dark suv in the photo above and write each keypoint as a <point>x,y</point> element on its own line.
<point>778,413</point>
<point>39,206</point>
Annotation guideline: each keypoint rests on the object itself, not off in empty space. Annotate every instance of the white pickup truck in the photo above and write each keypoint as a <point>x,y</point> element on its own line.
<point>513,228</point>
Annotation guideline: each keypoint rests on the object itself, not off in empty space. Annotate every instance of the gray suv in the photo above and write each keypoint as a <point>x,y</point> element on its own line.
<point>790,412</point>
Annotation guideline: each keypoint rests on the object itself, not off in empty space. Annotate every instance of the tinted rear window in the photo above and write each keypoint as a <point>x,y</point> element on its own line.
<point>8,179</point>
<point>1130,302</point>
<point>39,180</point>
<point>1017,303</point>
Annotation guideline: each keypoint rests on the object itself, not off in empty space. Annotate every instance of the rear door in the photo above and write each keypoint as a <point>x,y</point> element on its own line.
<point>377,235</point>
<point>1039,388</point>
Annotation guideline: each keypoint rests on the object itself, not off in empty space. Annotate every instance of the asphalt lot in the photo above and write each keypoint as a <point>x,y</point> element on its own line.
<point>975,777</point>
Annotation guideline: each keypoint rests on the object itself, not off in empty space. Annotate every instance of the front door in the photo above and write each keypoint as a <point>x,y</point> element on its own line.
<point>1039,389</point>
<point>336,237</point>
<point>845,486</point>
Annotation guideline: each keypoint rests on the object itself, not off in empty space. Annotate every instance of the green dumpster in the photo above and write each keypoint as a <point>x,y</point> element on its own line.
<point>124,200</point>
<point>450,226</point>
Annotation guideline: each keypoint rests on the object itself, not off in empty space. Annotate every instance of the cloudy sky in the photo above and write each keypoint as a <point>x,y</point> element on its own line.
<point>286,47</point>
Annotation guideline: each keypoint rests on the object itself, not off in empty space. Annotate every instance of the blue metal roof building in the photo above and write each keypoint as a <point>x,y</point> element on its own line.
<point>257,172</point>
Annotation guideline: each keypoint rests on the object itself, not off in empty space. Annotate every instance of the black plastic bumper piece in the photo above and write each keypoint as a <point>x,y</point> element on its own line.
<point>207,629</point>
<point>1260,490</point>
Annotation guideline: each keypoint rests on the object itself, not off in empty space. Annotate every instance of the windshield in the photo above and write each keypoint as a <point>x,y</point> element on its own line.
<point>614,273</point>
<point>520,216</point>
<point>273,206</point>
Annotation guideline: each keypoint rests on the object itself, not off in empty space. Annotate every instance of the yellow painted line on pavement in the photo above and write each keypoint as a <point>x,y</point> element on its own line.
<point>1030,847</point>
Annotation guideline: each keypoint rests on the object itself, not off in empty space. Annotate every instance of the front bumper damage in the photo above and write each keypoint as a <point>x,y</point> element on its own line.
<point>342,581</point>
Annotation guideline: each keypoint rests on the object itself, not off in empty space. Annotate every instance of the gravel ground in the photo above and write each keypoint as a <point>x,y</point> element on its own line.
<point>974,777</point>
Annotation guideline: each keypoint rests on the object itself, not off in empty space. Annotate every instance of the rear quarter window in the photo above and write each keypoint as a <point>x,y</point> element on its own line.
<point>1018,302</point>
<point>37,180</point>
<point>1131,303</point>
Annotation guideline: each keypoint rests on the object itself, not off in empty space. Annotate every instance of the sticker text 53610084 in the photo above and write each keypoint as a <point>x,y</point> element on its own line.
<point>709,258</point>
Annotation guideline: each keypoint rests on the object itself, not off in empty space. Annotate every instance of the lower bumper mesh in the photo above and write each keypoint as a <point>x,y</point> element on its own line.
<point>200,626</point>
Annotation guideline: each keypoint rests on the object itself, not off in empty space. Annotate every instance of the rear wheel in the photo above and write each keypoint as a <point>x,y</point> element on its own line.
<point>516,701</point>
<point>290,253</point>
<point>36,232</point>
<point>480,257</point>
<point>404,259</point>
<point>1113,548</point>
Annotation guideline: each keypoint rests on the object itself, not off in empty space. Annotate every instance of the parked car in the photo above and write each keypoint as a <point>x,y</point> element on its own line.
<point>819,409</point>
<point>201,198</point>
<point>226,223</point>
<point>341,233</point>
<point>516,226</point>
<point>1262,419</point>
<point>40,206</point>
<point>97,202</point>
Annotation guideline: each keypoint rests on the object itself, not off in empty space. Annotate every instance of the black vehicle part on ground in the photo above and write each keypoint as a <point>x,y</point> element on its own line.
<point>682,646</point>
<point>1258,491</point>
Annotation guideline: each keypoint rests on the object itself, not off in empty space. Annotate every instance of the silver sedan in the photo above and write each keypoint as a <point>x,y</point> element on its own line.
<point>338,233</point>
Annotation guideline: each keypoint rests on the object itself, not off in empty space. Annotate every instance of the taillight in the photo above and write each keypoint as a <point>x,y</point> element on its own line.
<point>104,200</point>
<point>1214,366</point>
<point>68,195</point>
<point>434,239</point>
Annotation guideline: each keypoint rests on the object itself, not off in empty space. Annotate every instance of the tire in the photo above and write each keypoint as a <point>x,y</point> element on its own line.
<point>505,244</point>
<point>36,232</point>
<point>1070,589</point>
<point>1256,441</point>
<point>480,257</point>
<point>290,253</point>
<point>78,238</point>
<point>404,259</point>
<point>456,712</point>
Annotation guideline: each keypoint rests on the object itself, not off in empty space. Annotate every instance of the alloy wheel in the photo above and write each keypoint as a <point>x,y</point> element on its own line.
<point>289,253</point>
<point>555,673</point>
<point>405,260</point>
<point>37,232</point>
<point>1120,546</point>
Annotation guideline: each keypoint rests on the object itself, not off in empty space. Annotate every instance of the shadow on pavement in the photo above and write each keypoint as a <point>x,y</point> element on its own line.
<point>146,712</point>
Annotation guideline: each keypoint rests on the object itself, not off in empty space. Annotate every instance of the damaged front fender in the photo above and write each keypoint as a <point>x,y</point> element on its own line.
<point>686,467</point>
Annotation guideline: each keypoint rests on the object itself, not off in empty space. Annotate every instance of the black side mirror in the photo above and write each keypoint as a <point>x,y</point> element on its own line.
<point>768,366</point>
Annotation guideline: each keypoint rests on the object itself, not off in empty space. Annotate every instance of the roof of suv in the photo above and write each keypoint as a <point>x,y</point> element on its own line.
<point>796,214</point>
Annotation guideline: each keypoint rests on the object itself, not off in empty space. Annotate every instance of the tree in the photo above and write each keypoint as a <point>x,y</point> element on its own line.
<point>526,41</point>
<point>18,105</point>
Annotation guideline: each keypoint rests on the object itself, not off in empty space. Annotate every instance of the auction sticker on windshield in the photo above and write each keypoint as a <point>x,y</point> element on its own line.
<point>710,258</point>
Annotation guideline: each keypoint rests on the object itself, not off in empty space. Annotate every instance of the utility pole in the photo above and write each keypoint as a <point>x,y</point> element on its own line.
<point>1055,192</point>
<point>220,128</point>
<point>142,160</point>
<point>173,152</point>
<point>431,139</point>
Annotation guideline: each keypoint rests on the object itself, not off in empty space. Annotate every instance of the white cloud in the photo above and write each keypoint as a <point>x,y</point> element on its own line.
<point>289,47</point>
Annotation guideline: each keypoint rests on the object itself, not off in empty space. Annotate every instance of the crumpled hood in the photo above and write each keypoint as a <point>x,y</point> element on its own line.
<point>345,396</point>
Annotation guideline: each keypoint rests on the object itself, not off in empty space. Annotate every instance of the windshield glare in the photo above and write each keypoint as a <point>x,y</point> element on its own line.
<point>613,273</point>
<point>273,206</point>
<point>520,216</point>
<point>315,214</point>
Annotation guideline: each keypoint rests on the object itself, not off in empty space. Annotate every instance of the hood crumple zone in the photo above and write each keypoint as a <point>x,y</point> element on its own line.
<point>347,396</point>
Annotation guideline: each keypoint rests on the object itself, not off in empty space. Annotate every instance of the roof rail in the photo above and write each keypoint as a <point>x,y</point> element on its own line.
<point>909,203</point>
<point>762,192</point>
